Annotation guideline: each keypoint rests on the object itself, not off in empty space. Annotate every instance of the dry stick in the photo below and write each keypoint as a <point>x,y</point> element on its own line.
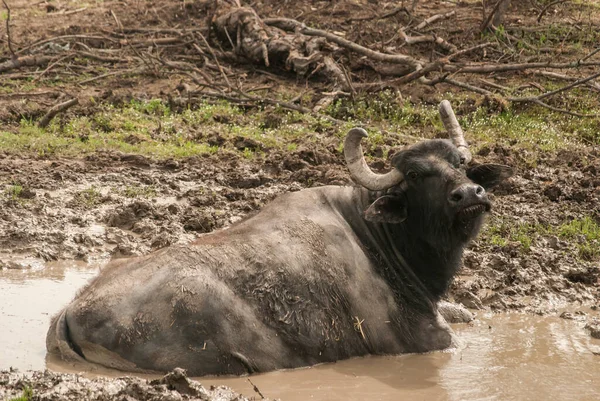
<point>487,68</point>
<point>564,77</point>
<point>108,74</point>
<point>536,99</point>
<point>564,88</point>
<point>433,19</point>
<point>383,16</point>
<point>43,123</point>
<point>12,52</point>
<point>119,25</point>
<point>44,41</point>
<point>590,55</point>
<point>293,25</point>
<point>27,94</point>
<point>51,66</point>
<point>101,58</point>
<point>487,21</point>
<point>27,61</point>
<point>554,3</point>
<point>214,57</point>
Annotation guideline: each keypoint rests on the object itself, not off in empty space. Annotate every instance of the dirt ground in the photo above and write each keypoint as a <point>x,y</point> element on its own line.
<point>49,386</point>
<point>540,252</point>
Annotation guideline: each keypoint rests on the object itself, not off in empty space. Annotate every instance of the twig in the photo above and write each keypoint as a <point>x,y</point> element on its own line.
<point>44,41</point>
<point>565,88</point>
<point>590,55</point>
<point>27,61</point>
<point>564,77</point>
<point>488,68</point>
<point>108,74</point>
<point>554,3</point>
<point>487,21</point>
<point>50,67</point>
<point>214,57</point>
<point>389,14</point>
<point>119,25</point>
<point>256,389</point>
<point>9,38</point>
<point>433,19</point>
<point>293,25</point>
<point>43,123</point>
<point>28,94</point>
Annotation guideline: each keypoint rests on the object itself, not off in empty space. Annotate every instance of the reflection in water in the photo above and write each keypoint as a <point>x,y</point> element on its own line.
<point>502,357</point>
<point>28,299</point>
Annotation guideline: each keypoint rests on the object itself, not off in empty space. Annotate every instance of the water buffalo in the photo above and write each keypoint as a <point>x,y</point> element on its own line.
<point>318,275</point>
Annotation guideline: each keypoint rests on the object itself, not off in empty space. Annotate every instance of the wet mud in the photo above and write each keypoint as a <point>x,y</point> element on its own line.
<point>114,205</point>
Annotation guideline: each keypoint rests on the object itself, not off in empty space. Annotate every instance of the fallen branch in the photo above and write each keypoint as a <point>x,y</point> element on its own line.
<point>488,68</point>
<point>27,61</point>
<point>564,77</point>
<point>545,9</point>
<point>433,19</point>
<point>292,25</point>
<point>389,14</point>
<point>59,108</point>
<point>8,37</point>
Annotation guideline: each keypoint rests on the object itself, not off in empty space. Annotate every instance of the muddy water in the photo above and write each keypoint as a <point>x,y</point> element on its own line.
<point>28,299</point>
<point>502,357</point>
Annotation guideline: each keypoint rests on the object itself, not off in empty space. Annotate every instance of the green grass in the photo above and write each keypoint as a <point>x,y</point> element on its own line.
<point>26,396</point>
<point>13,192</point>
<point>584,233</point>
<point>88,198</point>
<point>153,129</point>
<point>139,191</point>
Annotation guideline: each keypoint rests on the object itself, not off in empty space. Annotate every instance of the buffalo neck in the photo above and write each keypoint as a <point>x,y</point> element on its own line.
<point>407,262</point>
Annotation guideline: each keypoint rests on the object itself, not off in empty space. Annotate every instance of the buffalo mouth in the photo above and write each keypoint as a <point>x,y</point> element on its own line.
<point>473,211</point>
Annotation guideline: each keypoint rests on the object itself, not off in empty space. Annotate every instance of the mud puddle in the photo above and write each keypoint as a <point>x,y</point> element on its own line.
<point>502,356</point>
<point>28,298</point>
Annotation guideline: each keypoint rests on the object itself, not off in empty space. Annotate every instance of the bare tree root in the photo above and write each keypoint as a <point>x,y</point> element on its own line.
<point>59,108</point>
<point>252,39</point>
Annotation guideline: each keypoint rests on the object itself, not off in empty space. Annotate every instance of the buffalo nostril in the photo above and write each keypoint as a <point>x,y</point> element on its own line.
<point>479,190</point>
<point>456,196</point>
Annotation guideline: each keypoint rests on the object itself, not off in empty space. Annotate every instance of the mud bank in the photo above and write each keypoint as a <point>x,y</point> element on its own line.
<point>49,386</point>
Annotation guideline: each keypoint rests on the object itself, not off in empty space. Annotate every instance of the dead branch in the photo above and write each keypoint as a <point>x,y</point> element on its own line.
<point>489,68</point>
<point>27,61</point>
<point>8,37</point>
<point>488,19</point>
<point>433,19</point>
<point>59,108</point>
<point>564,77</point>
<point>441,42</point>
<point>389,14</point>
<point>64,37</point>
<point>293,25</point>
<point>112,73</point>
<point>545,9</point>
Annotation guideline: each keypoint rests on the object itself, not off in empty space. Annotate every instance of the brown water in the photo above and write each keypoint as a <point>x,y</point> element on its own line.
<point>502,357</point>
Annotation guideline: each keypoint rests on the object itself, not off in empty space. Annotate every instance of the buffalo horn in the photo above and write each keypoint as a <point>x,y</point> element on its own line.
<point>360,171</point>
<point>456,133</point>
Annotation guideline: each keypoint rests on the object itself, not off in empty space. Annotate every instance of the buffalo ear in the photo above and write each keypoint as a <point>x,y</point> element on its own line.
<point>489,175</point>
<point>387,209</point>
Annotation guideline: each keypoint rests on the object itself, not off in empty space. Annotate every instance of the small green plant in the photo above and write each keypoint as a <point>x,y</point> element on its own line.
<point>138,191</point>
<point>26,396</point>
<point>88,198</point>
<point>13,192</point>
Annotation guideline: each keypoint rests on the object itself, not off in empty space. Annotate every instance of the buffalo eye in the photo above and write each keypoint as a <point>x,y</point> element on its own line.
<point>462,160</point>
<point>412,175</point>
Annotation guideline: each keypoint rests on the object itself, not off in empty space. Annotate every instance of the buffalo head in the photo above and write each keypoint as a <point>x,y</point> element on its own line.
<point>432,190</point>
